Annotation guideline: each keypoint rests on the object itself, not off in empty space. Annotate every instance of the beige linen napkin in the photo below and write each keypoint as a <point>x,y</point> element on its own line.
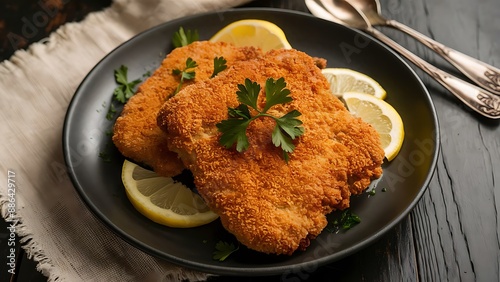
<point>36,86</point>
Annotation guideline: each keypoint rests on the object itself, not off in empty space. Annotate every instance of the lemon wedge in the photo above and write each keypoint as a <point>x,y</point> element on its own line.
<point>163,200</point>
<point>382,116</point>
<point>258,33</point>
<point>347,80</point>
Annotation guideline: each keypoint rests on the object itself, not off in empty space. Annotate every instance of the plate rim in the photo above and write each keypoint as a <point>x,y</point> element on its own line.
<point>229,270</point>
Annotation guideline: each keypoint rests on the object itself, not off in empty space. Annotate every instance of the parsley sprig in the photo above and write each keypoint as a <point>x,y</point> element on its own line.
<point>288,127</point>
<point>123,91</point>
<point>223,250</point>
<point>219,65</point>
<point>183,38</point>
<point>186,74</point>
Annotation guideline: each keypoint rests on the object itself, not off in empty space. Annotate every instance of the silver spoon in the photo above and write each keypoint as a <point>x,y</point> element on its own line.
<point>478,99</point>
<point>484,75</point>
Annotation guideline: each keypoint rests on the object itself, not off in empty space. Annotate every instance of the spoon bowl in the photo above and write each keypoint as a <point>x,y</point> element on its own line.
<point>347,13</point>
<point>371,9</point>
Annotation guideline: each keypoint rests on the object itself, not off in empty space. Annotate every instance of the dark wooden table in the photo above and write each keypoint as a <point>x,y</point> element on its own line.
<point>453,234</point>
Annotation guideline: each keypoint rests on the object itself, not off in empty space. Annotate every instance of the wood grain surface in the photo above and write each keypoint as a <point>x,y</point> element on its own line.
<point>453,232</point>
<point>455,225</point>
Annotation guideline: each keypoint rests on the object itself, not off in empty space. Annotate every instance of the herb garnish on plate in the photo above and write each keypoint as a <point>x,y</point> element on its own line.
<point>219,65</point>
<point>182,38</point>
<point>187,73</point>
<point>288,127</point>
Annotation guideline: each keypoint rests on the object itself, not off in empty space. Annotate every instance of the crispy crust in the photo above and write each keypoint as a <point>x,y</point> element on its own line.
<point>135,132</point>
<point>271,206</point>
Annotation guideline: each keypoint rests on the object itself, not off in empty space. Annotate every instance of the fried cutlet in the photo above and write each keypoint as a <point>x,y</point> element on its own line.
<point>269,205</point>
<point>135,132</point>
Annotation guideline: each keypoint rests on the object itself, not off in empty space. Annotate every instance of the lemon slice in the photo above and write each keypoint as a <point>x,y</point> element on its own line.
<point>258,33</point>
<point>163,200</point>
<point>347,80</point>
<point>382,116</point>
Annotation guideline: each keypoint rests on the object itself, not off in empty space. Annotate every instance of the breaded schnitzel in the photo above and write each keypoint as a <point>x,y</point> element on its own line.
<point>269,205</point>
<point>135,132</point>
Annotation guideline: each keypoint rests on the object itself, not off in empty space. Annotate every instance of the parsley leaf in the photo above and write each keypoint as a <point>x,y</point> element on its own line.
<point>186,74</point>
<point>234,131</point>
<point>111,112</point>
<point>125,89</point>
<point>240,111</point>
<point>275,93</point>
<point>288,127</point>
<point>248,93</point>
<point>182,38</point>
<point>219,65</point>
<point>223,250</point>
<point>349,219</point>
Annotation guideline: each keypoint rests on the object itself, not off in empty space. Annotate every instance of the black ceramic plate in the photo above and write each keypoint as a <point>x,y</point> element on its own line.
<point>99,184</point>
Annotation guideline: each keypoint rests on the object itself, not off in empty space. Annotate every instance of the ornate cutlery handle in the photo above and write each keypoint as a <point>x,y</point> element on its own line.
<point>483,74</point>
<point>481,101</point>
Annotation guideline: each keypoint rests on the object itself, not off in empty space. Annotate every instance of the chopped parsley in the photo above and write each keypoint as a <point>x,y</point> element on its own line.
<point>183,38</point>
<point>105,157</point>
<point>186,74</point>
<point>346,221</point>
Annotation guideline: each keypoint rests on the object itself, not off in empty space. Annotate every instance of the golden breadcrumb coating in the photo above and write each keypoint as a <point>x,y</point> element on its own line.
<point>135,132</point>
<point>269,205</point>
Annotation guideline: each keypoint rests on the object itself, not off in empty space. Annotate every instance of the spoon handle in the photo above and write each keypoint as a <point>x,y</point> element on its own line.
<point>481,101</point>
<point>483,74</point>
